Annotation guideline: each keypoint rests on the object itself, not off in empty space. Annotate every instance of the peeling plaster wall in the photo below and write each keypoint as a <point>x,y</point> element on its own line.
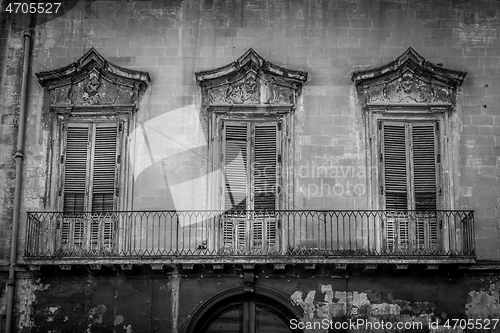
<point>146,304</point>
<point>94,304</point>
<point>27,296</point>
<point>484,303</point>
<point>430,301</point>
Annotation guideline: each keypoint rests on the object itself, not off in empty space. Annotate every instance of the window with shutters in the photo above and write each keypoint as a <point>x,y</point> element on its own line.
<point>411,124</point>
<point>410,184</point>
<point>249,106</point>
<point>91,103</point>
<point>251,155</point>
<point>90,162</point>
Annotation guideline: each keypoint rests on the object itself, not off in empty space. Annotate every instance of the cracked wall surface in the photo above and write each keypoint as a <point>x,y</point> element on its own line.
<point>94,304</point>
<point>433,302</point>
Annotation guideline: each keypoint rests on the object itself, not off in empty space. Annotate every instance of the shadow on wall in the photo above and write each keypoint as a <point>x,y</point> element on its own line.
<point>169,158</point>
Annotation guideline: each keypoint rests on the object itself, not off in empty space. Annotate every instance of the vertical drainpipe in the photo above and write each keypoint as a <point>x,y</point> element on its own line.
<point>19,156</point>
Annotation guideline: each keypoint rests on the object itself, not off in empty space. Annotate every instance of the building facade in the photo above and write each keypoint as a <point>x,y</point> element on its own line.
<point>250,166</point>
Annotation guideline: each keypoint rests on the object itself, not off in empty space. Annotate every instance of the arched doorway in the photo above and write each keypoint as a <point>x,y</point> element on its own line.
<point>236,311</point>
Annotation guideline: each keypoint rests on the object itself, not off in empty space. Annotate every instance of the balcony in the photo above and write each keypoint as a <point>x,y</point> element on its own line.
<point>177,237</point>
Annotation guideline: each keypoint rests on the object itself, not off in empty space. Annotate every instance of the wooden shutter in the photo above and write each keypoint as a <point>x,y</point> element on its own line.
<point>235,158</point>
<point>395,167</point>
<point>424,185</point>
<point>104,186</point>
<point>90,170</point>
<point>397,232</point>
<point>409,160</point>
<point>265,155</point>
<point>264,234</point>
<point>75,168</point>
<point>72,232</point>
<point>424,167</point>
<point>102,230</point>
<point>104,168</point>
<point>75,159</point>
<point>395,186</point>
<point>250,158</point>
<point>234,234</point>
<point>264,228</point>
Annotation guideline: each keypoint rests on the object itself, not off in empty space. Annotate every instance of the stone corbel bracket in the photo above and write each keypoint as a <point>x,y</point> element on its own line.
<point>250,80</point>
<point>409,80</point>
<point>92,82</point>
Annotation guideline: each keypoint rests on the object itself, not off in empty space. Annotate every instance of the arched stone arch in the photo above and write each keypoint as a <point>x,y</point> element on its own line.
<point>218,304</point>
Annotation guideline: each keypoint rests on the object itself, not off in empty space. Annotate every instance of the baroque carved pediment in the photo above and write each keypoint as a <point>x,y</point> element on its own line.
<point>93,81</point>
<point>250,80</point>
<point>408,80</point>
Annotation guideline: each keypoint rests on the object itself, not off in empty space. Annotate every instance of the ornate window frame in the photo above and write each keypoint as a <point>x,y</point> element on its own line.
<point>410,89</point>
<point>91,90</point>
<point>93,93</point>
<point>251,89</point>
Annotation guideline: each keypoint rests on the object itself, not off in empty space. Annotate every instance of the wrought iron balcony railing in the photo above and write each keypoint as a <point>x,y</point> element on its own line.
<point>157,234</point>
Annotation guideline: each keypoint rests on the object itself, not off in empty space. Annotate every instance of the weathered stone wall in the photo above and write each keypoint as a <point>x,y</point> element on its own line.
<point>138,303</point>
<point>95,304</point>
<point>328,39</point>
<point>171,40</point>
<point>10,73</point>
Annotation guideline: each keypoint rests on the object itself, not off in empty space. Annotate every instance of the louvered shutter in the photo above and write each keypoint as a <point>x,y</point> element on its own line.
<point>75,168</point>
<point>395,186</point>
<point>395,167</point>
<point>76,159</point>
<point>397,231</point>
<point>265,167</point>
<point>234,234</point>
<point>102,230</point>
<point>104,168</point>
<point>265,163</point>
<point>264,234</point>
<point>409,153</point>
<point>424,167</point>
<point>250,159</point>
<point>234,225</point>
<point>235,156</point>
<point>90,169</point>
<point>424,185</point>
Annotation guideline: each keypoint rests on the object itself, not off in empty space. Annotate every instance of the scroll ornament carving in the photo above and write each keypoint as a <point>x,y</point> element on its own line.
<point>280,94</point>
<point>92,91</point>
<point>246,91</point>
<point>250,80</point>
<point>408,89</point>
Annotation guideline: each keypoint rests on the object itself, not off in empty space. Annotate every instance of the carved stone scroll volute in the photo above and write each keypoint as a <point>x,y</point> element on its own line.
<point>250,80</point>
<point>408,80</point>
<point>93,81</point>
